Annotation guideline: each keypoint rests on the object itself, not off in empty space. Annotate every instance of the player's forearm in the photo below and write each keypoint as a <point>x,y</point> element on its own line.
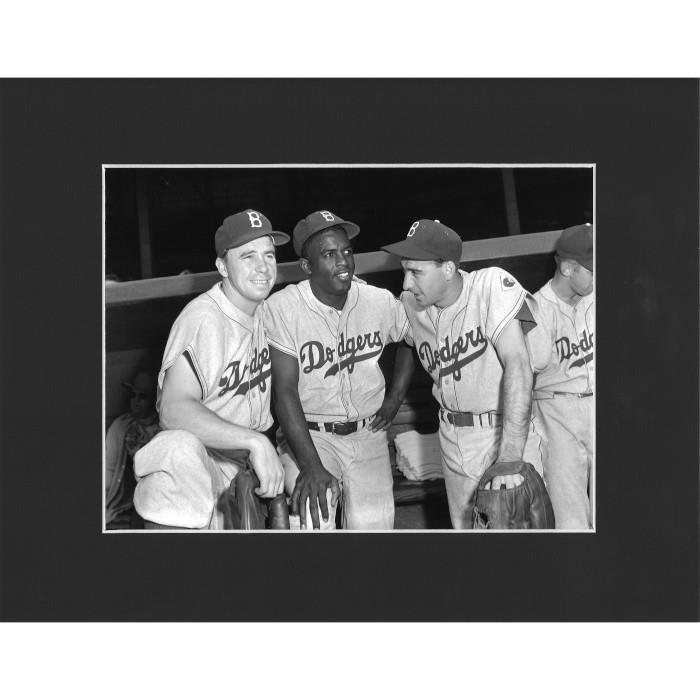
<point>404,366</point>
<point>190,415</point>
<point>517,398</point>
<point>293,424</point>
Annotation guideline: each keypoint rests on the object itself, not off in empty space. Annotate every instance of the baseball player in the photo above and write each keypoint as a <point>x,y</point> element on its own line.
<point>562,349</point>
<point>326,335</point>
<point>214,388</point>
<point>468,331</point>
<point>127,434</point>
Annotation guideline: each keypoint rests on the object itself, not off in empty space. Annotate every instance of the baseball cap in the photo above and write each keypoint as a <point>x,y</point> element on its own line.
<point>318,221</point>
<point>576,243</point>
<point>243,227</point>
<point>144,382</point>
<point>428,239</point>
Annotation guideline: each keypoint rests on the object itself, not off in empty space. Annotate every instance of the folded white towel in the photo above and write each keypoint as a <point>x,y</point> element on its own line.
<point>418,456</point>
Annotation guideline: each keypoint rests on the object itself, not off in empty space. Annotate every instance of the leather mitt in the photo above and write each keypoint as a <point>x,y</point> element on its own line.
<point>526,506</point>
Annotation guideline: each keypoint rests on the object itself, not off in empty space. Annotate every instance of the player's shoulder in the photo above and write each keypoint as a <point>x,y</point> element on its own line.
<point>290,294</point>
<point>546,298</point>
<point>201,308</point>
<point>491,275</point>
<point>494,280</point>
<point>121,421</point>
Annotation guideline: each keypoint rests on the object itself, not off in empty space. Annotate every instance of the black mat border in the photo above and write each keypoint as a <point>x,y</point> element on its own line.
<point>643,562</point>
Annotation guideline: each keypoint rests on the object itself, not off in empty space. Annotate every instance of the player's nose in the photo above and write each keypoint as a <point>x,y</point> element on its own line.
<point>407,283</point>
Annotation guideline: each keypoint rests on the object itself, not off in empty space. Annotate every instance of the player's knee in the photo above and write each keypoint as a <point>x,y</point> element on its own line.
<point>174,484</point>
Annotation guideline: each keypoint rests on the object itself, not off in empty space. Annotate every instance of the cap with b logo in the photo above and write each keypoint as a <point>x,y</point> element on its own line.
<point>319,221</point>
<point>576,243</point>
<point>243,227</point>
<point>428,239</point>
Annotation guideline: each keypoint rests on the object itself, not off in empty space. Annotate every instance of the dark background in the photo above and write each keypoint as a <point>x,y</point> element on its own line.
<point>186,205</point>
<point>642,564</point>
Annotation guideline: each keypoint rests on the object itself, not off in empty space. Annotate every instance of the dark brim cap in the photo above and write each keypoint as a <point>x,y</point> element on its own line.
<point>320,221</point>
<point>243,227</point>
<point>144,380</point>
<point>576,243</point>
<point>428,239</point>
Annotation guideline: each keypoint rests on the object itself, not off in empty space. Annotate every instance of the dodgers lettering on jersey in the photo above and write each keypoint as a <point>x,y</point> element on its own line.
<point>315,355</point>
<point>562,349</point>
<point>229,355</point>
<point>455,345</point>
<point>338,353</point>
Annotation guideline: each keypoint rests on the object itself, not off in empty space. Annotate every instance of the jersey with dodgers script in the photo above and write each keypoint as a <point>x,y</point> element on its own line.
<point>563,346</point>
<point>337,351</point>
<point>229,355</point>
<point>456,344</point>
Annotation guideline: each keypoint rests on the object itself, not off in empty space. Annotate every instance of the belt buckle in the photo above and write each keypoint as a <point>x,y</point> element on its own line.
<point>343,428</point>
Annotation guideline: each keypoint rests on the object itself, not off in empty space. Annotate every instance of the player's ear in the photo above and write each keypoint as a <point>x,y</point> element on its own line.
<point>305,266</point>
<point>449,269</point>
<point>221,266</point>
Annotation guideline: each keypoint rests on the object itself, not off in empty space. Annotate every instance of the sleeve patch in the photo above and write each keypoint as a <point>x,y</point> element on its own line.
<point>507,282</point>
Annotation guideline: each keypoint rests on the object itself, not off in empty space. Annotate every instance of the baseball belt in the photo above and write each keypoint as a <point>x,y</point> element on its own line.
<point>490,419</point>
<point>541,394</point>
<point>339,428</point>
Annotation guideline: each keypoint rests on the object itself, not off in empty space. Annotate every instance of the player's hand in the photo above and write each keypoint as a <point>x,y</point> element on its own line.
<point>509,481</point>
<point>266,464</point>
<point>312,485</point>
<point>386,414</point>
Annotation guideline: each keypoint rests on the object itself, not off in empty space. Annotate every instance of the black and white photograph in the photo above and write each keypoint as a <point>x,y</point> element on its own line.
<point>357,347</point>
<point>327,354</point>
<point>332,341</point>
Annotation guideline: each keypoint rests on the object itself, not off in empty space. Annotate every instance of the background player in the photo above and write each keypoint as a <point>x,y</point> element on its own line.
<point>214,388</point>
<point>127,434</point>
<point>562,349</point>
<point>468,331</point>
<point>326,335</point>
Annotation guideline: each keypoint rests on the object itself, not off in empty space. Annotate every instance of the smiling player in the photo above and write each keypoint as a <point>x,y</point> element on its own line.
<point>326,335</point>
<point>214,388</point>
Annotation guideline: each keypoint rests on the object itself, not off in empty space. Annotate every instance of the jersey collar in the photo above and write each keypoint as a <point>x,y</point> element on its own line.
<point>232,311</point>
<point>314,303</point>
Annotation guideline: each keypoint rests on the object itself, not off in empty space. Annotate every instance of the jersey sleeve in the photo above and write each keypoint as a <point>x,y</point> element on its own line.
<point>279,335</point>
<point>399,326</point>
<point>539,340</point>
<point>190,334</point>
<point>504,297</point>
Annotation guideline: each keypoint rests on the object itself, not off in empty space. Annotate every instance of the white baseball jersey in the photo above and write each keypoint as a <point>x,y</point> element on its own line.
<point>562,346</point>
<point>337,351</point>
<point>456,344</point>
<point>228,353</point>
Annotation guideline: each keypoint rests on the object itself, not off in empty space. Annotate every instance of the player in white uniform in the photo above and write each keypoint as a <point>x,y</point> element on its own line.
<point>214,388</point>
<point>468,330</point>
<point>326,335</point>
<point>562,350</point>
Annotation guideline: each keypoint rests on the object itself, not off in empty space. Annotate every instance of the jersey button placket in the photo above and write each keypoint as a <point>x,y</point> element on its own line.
<point>579,321</point>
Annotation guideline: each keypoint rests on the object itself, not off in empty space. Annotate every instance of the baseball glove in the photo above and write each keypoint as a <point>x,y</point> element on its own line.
<point>243,509</point>
<point>526,506</point>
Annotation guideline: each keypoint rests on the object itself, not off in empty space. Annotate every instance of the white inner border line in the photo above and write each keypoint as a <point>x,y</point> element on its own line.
<point>232,166</point>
